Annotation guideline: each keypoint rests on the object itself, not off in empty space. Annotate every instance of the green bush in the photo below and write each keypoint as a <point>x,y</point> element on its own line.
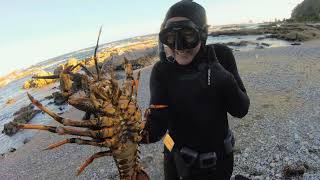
<point>308,10</point>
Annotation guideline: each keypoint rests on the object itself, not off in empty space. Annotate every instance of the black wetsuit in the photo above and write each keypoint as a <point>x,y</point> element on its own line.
<point>198,100</point>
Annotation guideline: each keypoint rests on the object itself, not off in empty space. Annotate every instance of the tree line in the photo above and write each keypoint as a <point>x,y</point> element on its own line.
<point>308,10</point>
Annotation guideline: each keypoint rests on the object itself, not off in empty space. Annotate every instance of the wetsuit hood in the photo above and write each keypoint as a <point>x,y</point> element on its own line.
<point>193,11</point>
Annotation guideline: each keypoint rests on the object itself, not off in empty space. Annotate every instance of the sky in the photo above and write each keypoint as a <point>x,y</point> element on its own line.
<point>36,30</point>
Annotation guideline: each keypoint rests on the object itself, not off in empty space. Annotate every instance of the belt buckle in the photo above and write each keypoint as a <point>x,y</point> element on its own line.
<point>189,156</point>
<point>207,160</point>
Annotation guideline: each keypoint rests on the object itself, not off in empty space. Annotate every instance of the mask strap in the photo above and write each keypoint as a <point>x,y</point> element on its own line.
<point>162,53</point>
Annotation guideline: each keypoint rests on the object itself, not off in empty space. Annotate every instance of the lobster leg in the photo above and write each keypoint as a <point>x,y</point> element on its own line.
<point>104,133</point>
<point>46,110</point>
<point>74,140</point>
<point>136,84</point>
<point>53,129</point>
<point>106,122</point>
<point>93,157</point>
<point>34,126</point>
<point>92,123</point>
<point>109,142</point>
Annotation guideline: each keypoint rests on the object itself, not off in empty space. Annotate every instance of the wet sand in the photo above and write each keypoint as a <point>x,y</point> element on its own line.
<point>284,88</point>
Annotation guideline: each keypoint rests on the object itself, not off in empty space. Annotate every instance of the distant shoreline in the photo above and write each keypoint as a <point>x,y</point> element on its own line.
<point>222,30</point>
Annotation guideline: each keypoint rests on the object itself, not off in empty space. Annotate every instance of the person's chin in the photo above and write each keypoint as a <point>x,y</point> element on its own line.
<point>183,60</point>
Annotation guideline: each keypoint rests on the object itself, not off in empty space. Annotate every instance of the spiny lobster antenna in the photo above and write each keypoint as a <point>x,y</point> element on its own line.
<point>86,70</point>
<point>111,67</point>
<point>46,77</point>
<point>95,55</point>
<point>126,61</point>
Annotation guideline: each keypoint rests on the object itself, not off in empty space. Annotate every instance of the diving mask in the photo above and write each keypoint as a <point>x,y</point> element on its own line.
<point>180,35</point>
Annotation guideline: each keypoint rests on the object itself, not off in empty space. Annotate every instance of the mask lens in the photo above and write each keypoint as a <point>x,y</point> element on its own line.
<point>171,37</point>
<point>189,35</point>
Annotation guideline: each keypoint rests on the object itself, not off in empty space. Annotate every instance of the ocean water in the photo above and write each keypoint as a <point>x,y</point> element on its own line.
<point>252,38</point>
<point>14,90</point>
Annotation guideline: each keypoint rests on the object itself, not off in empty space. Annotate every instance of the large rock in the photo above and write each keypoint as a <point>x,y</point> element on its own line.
<point>135,55</point>
<point>70,62</point>
<point>38,83</point>
<point>23,115</point>
<point>58,69</point>
<point>140,53</point>
<point>241,43</point>
<point>284,30</point>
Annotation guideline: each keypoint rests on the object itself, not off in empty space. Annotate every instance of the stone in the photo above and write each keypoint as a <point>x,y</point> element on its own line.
<point>258,178</point>
<point>259,47</point>
<point>241,43</point>
<point>290,171</point>
<point>260,38</point>
<point>23,115</point>
<point>38,83</point>
<point>25,141</point>
<point>101,171</point>
<point>296,32</point>
<point>272,165</point>
<point>265,44</point>
<point>58,69</point>
<point>295,44</point>
<point>49,97</point>
<point>10,101</point>
<point>26,85</point>
<point>259,169</point>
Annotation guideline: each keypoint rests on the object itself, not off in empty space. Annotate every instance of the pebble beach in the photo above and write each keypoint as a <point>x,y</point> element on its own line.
<point>281,129</point>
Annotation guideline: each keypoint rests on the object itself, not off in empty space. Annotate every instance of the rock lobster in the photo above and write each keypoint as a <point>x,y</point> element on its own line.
<point>116,122</point>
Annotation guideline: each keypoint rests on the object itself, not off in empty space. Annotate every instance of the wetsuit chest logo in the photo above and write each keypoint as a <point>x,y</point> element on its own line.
<point>209,76</point>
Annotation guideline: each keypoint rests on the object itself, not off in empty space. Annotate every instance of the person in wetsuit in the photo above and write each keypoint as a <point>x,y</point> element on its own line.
<point>199,84</point>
